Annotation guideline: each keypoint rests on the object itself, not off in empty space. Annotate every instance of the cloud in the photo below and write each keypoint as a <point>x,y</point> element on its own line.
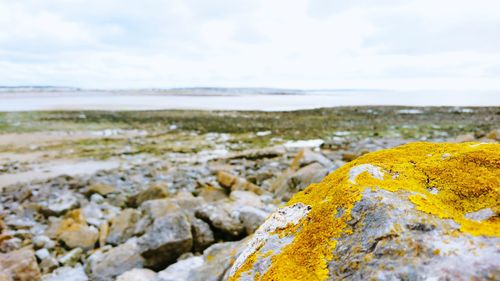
<point>291,44</point>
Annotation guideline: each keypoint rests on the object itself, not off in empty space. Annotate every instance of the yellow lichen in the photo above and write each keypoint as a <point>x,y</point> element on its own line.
<point>445,180</point>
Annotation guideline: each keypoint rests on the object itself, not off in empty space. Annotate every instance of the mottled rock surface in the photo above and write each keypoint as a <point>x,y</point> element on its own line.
<point>421,211</point>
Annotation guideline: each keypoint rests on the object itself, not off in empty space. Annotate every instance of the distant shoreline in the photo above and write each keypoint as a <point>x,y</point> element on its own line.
<point>244,100</point>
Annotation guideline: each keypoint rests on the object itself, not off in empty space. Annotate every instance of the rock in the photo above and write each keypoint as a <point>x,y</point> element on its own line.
<point>184,203</point>
<point>494,135</point>
<point>217,260</point>
<point>349,156</point>
<point>246,198</point>
<point>9,243</point>
<point>202,235</point>
<point>252,218</point>
<point>181,270</point>
<point>67,273</point>
<point>255,154</point>
<point>47,262</point>
<point>138,274</point>
<point>168,238</point>
<point>107,264</point>
<point>293,181</point>
<point>232,182</point>
<point>406,213</point>
<point>123,226</point>
<point>222,218</point>
<point>465,138</point>
<point>211,193</point>
<point>59,203</point>
<point>153,192</point>
<point>72,257</point>
<point>19,265</point>
<point>42,241</point>
<point>100,188</point>
<point>309,157</point>
<point>75,232</point>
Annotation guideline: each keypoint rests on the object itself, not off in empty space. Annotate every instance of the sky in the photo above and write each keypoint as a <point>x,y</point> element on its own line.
<point>307,44</point>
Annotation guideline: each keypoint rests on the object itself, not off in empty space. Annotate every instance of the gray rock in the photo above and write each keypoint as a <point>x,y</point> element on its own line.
<point>138,274</point>
<point>107,263</point>
<point>123,226</point>
<point>217,259</point>
<point>181,270</point>
<point>252,218</point>
<point>168,238</point>
<point>222,218</point>
<point>67,273</point>
<point>59,203</point>
<point>202,235</point>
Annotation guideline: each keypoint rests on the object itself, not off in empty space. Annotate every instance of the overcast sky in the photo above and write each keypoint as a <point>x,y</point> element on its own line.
<point>384,44</point>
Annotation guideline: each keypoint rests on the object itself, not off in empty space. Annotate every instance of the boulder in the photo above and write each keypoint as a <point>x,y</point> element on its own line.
<point>168,238</point>
<point>74,231</point>
<point>232,182</point>
<point>123,226</point>
<point>155,191</point>
<point>181,270</point>
<point>67,273</point>
<point>420,211</point>
<point>202,235</point>
<point>107,263</point>
<point>222,218</point>
<point>308,157</point>
<point>100,188</point>
<point>19,265</point>
<point>217,260</point>
<point>138,274</point>
<point>59,203</point>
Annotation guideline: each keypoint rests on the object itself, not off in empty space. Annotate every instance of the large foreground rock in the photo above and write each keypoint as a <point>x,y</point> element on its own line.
<point>421,211</point>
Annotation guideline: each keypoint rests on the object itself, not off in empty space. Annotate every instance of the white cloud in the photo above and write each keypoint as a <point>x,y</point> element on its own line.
<point>394,44</point>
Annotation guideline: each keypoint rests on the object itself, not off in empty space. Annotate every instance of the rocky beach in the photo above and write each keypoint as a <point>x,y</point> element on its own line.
<point>234,195</point>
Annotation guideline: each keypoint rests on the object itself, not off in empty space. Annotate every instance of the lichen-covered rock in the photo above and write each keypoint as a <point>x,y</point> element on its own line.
<point>75,232</point>
<point>420,211</point>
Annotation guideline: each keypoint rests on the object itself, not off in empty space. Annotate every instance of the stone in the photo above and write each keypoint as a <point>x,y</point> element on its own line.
<point>123,226</point>
<point>202,235</point>
<point>19,265</point>
<point>9,243</point>
<point>406,213</point>
<point>107,263</point>
<point>217,260</point>
<point>294,181</point>
<point>252,218</point>
<point>100,188</point>
<point>72,257</point>
<point>211,193</point>
<point>349,156</point>
<point>181,270</point>
<point>222,218</point>
<point>138,274</point>
<point>67,273</point>
<point>59,203</point>
<point>494,135</point>
<point>255,154</point>
<point>232,182</point>
<point>308,157</point>
<point>168,238</point>
<point>75,232</point>
<point>42,241</point>
<point>154,191</point>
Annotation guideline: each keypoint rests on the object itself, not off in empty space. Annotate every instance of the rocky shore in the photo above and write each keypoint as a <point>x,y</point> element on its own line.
<point>198,209</point>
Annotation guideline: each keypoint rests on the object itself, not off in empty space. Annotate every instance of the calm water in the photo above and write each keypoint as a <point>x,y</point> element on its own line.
<point>134,101</point>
